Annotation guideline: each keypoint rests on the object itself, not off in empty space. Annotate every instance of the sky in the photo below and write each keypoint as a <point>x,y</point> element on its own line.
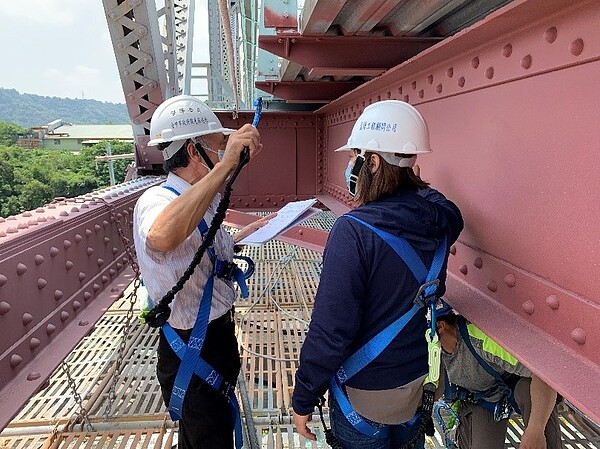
<point>62,48</point>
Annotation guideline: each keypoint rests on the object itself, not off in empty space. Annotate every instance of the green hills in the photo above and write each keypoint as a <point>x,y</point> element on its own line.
<point>29,110</point>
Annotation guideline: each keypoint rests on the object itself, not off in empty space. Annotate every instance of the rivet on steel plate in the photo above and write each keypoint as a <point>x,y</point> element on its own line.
<point>34,375</point>
<point>528,307</point>
<point>553,302</point>
<point>578,335</point>
<point>576,47</point>
<point>21,269</point>
<point>15,360</point>
<point>550,35</point>
<point>4,308</point>
<point>510,280</point>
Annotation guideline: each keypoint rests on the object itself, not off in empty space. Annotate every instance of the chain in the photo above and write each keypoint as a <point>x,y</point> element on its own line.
<point>132,298</point>
<point>83,413</point>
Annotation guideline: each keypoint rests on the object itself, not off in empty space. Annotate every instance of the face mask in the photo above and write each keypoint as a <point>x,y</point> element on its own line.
<point>220,154</point>
<point>348,172</point>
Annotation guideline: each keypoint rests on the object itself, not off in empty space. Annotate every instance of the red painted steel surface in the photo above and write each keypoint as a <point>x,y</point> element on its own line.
<point>286,168</point>
<point>61,266</point>
<point>345,51</point>
<point>512,107</point>
<point>277,19</point>
<point>307,91</point>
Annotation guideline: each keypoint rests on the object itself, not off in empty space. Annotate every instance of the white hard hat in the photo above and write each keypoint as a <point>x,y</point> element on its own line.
<point>182,117</point>
<point>388,127</point>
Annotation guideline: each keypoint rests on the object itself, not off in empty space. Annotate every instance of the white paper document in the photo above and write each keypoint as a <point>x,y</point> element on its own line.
<point>287,217</point>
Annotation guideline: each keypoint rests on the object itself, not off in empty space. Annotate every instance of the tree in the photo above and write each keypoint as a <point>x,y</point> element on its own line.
<point>9,133</point>
<point>35,194</point>
<point>31,178</point>
<point>7,181</point>
<point>101,169</point>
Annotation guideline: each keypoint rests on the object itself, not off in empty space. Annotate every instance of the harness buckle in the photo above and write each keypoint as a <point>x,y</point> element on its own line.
<point>225,270</point>
<point>422,297</point>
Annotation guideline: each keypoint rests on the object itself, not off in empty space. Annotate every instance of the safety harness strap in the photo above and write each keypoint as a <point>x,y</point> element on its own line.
<point>404,249</point>
<point>462,326</point>
<point>192,353</point>
<point>207,373</point>
<point>374,347</point>
<point>371,350</point>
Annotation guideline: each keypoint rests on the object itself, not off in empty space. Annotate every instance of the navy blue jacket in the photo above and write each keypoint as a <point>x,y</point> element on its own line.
<point>365,286</point>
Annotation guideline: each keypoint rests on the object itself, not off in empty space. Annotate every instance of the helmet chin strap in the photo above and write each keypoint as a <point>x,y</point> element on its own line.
<point>358,163</point>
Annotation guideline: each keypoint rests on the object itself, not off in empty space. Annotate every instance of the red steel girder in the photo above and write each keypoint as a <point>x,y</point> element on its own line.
<point>358,52</point>
<point>307,91</point>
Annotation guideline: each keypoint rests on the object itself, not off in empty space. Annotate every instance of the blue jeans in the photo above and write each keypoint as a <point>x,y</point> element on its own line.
<point>353,439</point>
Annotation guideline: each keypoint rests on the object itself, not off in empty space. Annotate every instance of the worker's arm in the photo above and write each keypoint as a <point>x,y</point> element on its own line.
<point>181,216</point>
<point>543,400</point>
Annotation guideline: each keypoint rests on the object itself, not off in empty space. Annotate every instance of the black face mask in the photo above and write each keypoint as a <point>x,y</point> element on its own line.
<point>358,163</point>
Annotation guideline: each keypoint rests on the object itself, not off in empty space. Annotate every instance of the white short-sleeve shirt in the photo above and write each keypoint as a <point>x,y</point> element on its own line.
<point>161,270</point>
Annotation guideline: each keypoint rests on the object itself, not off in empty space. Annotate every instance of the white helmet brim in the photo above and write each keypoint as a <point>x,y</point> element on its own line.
<point>181,137</point>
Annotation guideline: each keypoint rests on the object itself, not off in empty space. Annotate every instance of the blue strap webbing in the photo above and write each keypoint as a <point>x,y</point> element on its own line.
<point>211,377</point>
<point>192,353</point>
<point>464,332</point>
<point>374,347</point>
<point>357,421</point>
<point>371,350</point>
<point>404,249</point>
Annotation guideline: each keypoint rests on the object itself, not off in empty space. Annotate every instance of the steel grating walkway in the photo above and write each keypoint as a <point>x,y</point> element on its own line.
<point>272,324</point>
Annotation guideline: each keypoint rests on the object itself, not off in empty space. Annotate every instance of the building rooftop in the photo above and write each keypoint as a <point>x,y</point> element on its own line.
<point>93,132</point>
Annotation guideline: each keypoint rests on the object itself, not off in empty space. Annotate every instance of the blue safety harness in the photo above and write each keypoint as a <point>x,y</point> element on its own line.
<point>501,409</point>
<point>426,296</point>
<point>191,362</point>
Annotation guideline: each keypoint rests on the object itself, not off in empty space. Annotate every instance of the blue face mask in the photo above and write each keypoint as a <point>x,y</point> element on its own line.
<point>348,172</point>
